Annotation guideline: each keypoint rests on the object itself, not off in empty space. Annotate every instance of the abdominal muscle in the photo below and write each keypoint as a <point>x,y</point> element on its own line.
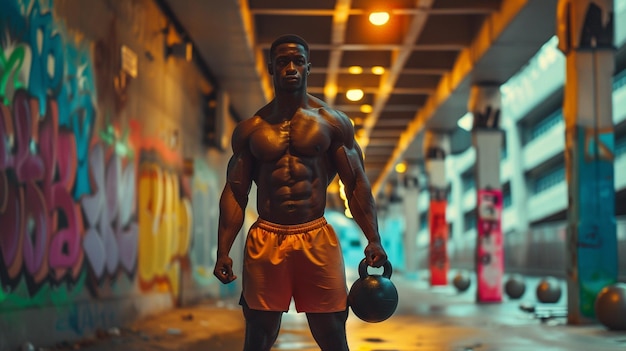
<point>291,190</point>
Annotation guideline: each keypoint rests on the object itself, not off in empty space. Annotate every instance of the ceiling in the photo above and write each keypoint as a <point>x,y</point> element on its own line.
<point>433,51</point>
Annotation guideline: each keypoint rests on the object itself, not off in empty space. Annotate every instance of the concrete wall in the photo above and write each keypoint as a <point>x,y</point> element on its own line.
<point>102,219</point>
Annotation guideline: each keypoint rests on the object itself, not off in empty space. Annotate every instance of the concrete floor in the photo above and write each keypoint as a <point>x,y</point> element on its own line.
<point>427,319</point>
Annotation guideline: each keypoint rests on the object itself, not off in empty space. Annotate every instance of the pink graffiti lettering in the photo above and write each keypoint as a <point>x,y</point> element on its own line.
<point>40,220</point>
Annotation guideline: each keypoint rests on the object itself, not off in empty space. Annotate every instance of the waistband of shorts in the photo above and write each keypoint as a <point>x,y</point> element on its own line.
<point>286,229</point>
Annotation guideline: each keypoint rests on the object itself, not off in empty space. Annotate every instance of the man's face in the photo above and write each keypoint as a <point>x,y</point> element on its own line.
<point>289,67</point>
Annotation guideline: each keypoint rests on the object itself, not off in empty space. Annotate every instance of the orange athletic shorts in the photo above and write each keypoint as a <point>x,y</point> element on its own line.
<point>303,262</point>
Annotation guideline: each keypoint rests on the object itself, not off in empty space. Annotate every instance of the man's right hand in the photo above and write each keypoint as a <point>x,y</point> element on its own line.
<point>224,269</point>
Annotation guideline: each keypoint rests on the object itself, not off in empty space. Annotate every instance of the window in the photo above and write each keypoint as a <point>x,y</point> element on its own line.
<point>546,124</point>
<point>468,181</point>
<point>619,80</point>
<point>620,146</point>
<point>549,179</point>
<point>469,220</point>
<point>424,220</point>
<point>506,195</point>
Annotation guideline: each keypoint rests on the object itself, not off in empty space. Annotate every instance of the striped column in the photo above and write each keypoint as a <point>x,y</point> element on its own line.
<point>586,33</point>
<point>485,105</point>
<point>436,147</point>
<point>411,217</point>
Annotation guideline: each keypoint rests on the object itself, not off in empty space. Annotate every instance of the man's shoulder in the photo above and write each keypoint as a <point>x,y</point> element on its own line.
<point>245,128</point>
<point>326,110</point>
<point>247,123</point>
<point>264,111</point>
<point>259,117</point>
<point>334,116</point>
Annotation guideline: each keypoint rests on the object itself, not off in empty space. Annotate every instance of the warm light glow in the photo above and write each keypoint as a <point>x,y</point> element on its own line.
<point>342,195</point>
<point>378,70</point>
<point>379,18</point>
<point>355,69</point>
<point>365,108</point>
<point>189,52</point>
<point>361,133</point>
<point>466,121</point>
<point>401,167</point>
<point>354,94</point>
<point>330,90</point>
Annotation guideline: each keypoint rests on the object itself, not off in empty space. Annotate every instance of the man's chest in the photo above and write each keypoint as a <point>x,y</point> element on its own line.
<point>300,136</point>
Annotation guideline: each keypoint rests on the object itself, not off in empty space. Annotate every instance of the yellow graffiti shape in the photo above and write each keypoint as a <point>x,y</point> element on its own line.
<point>165,224</point>
<point>185,220</point>
<point>150,202</point>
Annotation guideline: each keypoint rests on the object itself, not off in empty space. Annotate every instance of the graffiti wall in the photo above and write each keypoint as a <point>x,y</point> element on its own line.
<point>95,204</point>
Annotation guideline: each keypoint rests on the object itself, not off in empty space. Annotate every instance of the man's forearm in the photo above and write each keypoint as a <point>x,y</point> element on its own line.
<point>230,221</point>
<point>363,211</point>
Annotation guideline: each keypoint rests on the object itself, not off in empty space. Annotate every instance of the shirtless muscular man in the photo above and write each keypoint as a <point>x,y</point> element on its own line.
<point>292,149</point>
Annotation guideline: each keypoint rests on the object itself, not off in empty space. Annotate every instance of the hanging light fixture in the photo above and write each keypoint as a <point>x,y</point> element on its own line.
<point>378,70</point>
<point>379,18</point>
<point>354,94</point>
<point>365,108</point>
<point>355,69</point>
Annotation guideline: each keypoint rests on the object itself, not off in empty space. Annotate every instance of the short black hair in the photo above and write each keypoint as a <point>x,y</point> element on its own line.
<point>288,38</point>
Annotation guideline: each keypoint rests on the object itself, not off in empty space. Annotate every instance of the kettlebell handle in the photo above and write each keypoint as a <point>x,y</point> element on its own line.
<point>387,269</point>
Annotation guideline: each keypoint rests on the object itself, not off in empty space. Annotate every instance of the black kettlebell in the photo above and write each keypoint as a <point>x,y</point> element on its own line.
<point>373,298</point>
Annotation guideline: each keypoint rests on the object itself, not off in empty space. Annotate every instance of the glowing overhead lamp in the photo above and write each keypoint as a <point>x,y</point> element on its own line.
<point>365,108</point>
<point>354,94</point>
<point>401,167</point>
<point>378,70</point>
<point>355,69</point>
<point>378,18</point>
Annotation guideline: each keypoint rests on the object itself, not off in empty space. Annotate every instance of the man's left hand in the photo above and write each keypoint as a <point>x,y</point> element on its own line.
<point>375,255</point>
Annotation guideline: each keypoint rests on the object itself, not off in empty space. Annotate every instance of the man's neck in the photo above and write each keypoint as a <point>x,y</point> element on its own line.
<point>287,103</point>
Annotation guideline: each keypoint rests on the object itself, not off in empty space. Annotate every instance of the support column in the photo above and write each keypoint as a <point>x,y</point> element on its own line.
<point>411,217</point>
<point>586,33</point>
<point>484,103</point>
<point>436,148</point>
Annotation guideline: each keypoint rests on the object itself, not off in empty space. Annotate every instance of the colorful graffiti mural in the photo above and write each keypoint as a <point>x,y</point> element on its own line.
<point>46,118</point>
<point>77,205</point>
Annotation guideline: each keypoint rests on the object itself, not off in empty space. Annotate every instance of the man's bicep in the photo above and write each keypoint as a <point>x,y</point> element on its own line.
<point>239,173</point>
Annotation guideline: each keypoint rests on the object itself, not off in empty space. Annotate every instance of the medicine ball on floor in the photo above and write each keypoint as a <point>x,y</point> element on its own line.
<point>610,306</point>
<point>515,286</point>
<point>548,290</point>
<point>461,281</point>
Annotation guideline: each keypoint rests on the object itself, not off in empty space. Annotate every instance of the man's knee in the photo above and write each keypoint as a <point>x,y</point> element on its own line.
<point>262,328</point>
<point>329,329</point>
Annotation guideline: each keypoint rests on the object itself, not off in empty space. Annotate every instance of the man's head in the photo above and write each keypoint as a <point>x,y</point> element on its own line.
<point>288,39</point>
<point>289,63</point>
